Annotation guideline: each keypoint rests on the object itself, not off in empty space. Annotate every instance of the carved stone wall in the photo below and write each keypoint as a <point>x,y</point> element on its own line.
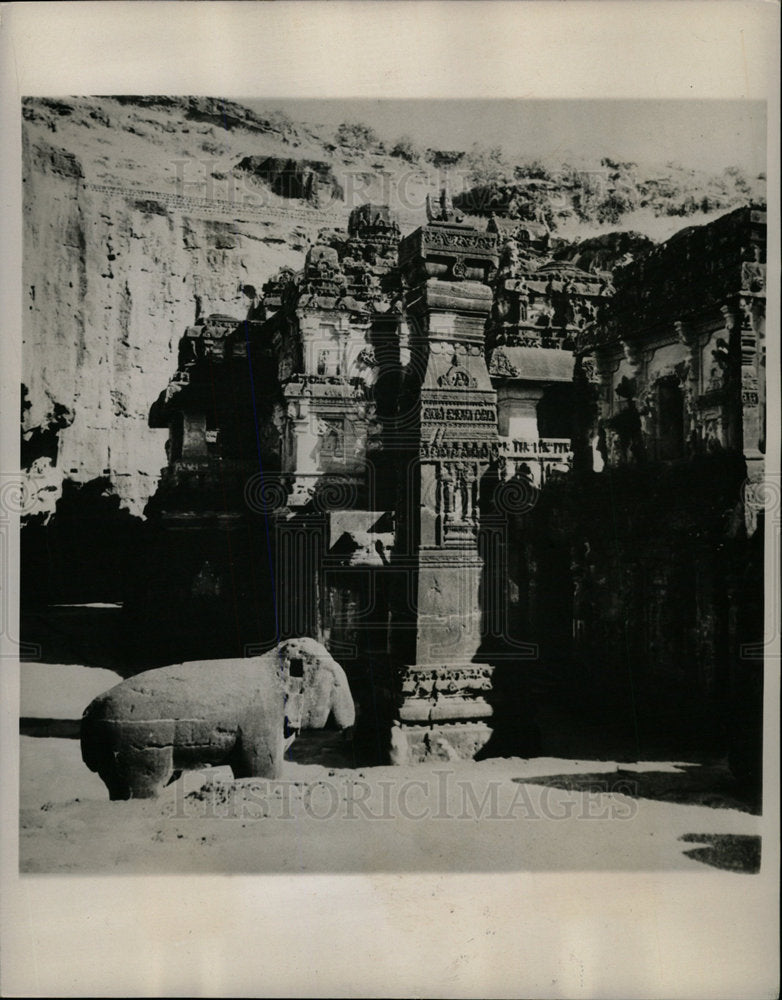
<point>686,324</point>
<point>670,388</point>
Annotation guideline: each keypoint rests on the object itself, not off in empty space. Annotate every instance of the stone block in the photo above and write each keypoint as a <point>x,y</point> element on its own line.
<point>415,744</point>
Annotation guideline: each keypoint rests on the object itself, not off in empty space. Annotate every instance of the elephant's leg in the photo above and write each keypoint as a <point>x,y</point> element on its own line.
<point>117,785</point>
<point>258,753</point>
<point>146,770</point>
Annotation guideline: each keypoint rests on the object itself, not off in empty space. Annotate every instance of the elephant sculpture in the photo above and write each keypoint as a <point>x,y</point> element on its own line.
<point>141,734</point>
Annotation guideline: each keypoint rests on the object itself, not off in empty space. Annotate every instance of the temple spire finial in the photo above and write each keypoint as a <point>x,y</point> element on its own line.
<point>440,209</point>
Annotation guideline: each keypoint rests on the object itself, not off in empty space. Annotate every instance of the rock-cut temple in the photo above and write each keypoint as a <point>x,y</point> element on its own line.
<point>480,475</point>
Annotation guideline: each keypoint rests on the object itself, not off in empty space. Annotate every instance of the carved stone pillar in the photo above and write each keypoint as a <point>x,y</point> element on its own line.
<point>440,708</point>
<point>733,377</point>
<point>593,381</point>
<point>751,418</point>
<point>689,377</point>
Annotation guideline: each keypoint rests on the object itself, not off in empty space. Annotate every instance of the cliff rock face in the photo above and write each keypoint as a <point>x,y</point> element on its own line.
<point>112,276</point>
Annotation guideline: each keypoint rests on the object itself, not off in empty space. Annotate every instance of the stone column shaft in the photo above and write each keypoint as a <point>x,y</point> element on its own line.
<point>441,711</point>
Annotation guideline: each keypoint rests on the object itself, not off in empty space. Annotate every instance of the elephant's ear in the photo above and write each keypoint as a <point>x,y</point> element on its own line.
<point>326,692</point>
<point>342,707</point>
<point>312,696</point>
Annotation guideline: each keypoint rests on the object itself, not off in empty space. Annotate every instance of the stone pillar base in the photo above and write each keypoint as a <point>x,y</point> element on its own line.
<point>443,714</point>
<point>417,744</point>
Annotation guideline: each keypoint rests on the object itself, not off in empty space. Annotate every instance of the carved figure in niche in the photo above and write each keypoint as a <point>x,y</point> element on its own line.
<point>589,368</point>
<point>509,257</point>
<point>332,436</point>
<point>360,445</point>
<point>632,354</point>
<point>521,474</point>
<point>748,319</point>
<point>524,473</point>
<point>459,497</point>
<point>567,302</point>
<point>446,493</point>
<point>545,316</point>
<point>501,307</point>
<point>719,367</point>
<point>286,276</point>
<point>458,483</point>
<point>615,454</point>
<point>624,436</point>
<point>712,439</point>
<point>323,358</point>
<point>720,355</point>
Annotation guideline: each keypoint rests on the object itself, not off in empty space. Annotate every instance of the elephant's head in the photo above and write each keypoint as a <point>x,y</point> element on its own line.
<point>315,686</point>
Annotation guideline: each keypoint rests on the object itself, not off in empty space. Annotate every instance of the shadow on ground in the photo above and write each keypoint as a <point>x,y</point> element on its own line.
<point>328,747</point>
<point>732,852</point>
<point>710,785</point>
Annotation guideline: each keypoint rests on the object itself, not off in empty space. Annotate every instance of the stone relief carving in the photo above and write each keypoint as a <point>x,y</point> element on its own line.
<point>501,366</point>
<point>332,434</point>
<point>457,376</point>
<point>366,357</point>
<point>458,484</point>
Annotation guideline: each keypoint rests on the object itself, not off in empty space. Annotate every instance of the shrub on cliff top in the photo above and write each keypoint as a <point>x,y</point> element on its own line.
<point>487,166</point>
<point>356,135</point>
<point>406,149</point>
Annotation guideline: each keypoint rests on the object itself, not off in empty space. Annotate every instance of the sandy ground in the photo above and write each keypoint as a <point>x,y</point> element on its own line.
<point>61,690</point>
<point>496,815</point>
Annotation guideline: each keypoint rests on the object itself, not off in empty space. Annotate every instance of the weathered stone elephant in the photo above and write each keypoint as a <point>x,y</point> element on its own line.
<point>143,733</point>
